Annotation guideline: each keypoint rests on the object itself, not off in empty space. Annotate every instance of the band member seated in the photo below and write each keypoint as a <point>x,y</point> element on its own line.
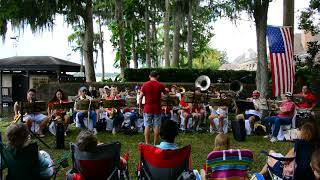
<point>184,113</point>
<point>215,93</point>
<point>219,117</point>
<point>283,117</point>
<point>34,119</point>
<point>198,112</point>
<point>165,113</point>
<point>114,113</point>
<point>59,98</point>
<point>310,100</point>
<point>81,114</point>
<point>254,115</point>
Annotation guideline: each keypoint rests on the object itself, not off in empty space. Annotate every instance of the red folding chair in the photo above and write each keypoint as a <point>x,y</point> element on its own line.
<point>100,165</point>
<point>159,164</point>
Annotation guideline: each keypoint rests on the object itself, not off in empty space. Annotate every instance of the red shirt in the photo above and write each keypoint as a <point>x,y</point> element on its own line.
<point>165,110</point>
<point>152,92</point>
<point>58,102</point>
<point>195,108</point>
<point>289,107</point>
<point>185,105</point>
<point>113,98</point>
<point>310,97</point>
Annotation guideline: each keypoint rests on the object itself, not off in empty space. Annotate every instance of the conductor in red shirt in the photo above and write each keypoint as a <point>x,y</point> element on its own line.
<point>152,90</point>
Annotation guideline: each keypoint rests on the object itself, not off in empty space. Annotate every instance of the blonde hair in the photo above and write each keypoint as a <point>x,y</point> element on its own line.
<point>221,142</point>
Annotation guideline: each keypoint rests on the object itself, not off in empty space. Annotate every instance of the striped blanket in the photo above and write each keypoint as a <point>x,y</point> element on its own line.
<point>229,164</point>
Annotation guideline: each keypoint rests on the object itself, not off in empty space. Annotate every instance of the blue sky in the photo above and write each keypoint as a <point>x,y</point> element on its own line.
<point>235,39</point>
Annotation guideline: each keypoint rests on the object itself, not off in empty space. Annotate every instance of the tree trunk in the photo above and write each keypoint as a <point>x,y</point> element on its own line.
<point>260,16</point>
<point>88,38</point>
<point>119,17</point>
<point>288,17</point>
<point>147,26</point>
<point>134,53</point>
<point>154,39</point>
<point>166,35</point>
<point>101,49</point>
<point>176,37</point>
<point>190,35</point>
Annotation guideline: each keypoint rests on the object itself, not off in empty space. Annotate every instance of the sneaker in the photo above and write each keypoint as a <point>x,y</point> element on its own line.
<point>95,132</point>
<point>267,137</point>
<point>113,131</point>
<point>273,139</point>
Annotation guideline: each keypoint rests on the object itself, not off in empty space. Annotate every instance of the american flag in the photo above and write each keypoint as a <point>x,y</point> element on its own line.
<point>281,59</point>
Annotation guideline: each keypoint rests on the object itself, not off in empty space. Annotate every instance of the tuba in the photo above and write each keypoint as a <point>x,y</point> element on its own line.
<point>236,86</point>
<point>203,83</point>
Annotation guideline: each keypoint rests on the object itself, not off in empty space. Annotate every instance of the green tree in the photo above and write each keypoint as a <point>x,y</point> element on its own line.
<point>258,9</point>
<point>210,58</point>
<point>40,14</point>
<point>308,18</point>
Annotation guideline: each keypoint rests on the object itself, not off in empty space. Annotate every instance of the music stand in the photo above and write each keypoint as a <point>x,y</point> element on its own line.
<point>34,107</point>
<point>244,105</point>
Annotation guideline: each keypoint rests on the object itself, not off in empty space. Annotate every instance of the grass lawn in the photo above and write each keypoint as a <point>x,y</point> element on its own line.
<point>201,145</point>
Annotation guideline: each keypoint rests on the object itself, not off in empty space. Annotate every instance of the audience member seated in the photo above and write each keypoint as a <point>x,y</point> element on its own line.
<point>58,114</point>
<point>284,116</point>
<point>221,142</point>
<point>18,139</point>
<point>315,164</point>
<point>168,132</point>
<point>88,142</point>
<point>302,151</point>
<point>81,114</point>
<point>219,118</point>
<point>35,121</point>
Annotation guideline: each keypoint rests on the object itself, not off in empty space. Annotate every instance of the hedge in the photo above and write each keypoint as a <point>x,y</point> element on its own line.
<point>189,75</point>
<point>46,92</point>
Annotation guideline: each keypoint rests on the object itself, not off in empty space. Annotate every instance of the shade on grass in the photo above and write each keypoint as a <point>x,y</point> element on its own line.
<point>201,145</point>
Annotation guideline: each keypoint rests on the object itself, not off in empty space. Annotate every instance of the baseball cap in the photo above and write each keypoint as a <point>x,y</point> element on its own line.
<point>83,88</point>
<point>256,93</point>
<point>288,94</point>
<point>136,88</point>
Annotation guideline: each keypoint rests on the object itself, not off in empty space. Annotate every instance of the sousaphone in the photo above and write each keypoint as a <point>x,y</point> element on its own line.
<point>203,83</point>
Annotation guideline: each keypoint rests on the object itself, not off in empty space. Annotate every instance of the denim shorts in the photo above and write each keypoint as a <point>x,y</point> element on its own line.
<point>152,119</point>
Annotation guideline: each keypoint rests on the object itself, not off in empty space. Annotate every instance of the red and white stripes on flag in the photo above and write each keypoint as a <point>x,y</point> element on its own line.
<point>281,60</point>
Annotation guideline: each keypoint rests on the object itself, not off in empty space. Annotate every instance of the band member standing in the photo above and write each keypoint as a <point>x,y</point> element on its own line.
<point>34,117</point>
<point>310,101</point>
<point>152,90</point>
